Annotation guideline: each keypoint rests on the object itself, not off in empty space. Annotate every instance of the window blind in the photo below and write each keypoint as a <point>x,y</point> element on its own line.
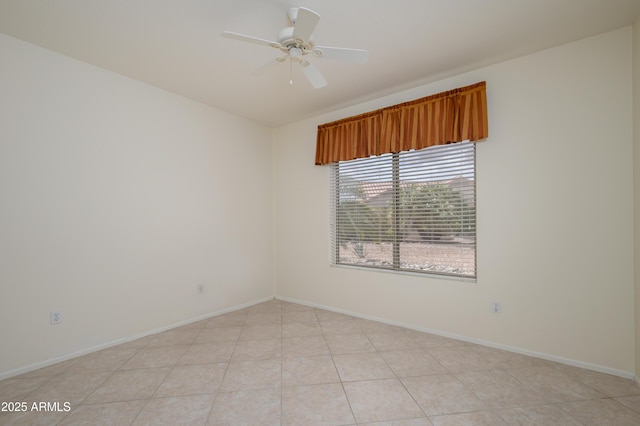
<point>409,211</point>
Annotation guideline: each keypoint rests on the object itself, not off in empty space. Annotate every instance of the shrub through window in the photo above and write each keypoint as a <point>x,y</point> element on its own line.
<point>408,211</point>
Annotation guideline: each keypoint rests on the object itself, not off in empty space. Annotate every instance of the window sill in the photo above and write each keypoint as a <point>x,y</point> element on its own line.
<point>429,275</point>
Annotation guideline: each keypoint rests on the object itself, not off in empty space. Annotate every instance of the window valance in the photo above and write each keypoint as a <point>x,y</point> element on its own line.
<point>447,117</point>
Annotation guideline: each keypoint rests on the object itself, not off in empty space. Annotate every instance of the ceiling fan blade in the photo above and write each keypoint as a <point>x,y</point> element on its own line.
<point>313,74</point>
<point>357,56</point>
<point>267,66</point>
<point>250,39</point>
<point>306,22</point>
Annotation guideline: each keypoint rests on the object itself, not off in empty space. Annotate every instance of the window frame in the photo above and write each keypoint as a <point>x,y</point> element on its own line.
<point>396,241</point>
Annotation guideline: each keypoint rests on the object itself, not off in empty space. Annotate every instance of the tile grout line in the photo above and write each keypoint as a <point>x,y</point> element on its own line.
<point>217,392</point>
<point>226,369</point>
<point>510,367</point>
<point>344,391</point>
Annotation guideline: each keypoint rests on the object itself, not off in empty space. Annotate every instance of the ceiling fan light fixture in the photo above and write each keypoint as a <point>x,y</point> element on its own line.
<point>295,52</point>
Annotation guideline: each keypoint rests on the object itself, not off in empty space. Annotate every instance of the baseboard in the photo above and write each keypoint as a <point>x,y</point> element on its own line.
<point>547,357</point>
<point>86,351</point>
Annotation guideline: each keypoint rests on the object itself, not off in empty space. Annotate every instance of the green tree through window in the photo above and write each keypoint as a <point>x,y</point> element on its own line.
<point>412,211</point>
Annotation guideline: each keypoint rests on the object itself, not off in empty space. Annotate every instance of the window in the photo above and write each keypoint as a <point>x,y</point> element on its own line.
<point>409,211</point>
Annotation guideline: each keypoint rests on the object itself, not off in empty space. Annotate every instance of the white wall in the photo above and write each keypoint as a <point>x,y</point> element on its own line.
<point>636,186</point>
<point>116,200</point>
<point>555,214</point>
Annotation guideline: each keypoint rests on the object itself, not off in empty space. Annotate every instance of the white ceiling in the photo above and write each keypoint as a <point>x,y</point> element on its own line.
<point>176,44</point>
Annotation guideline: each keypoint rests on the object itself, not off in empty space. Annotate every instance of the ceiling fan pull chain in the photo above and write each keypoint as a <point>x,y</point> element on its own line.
<point>290,72</point>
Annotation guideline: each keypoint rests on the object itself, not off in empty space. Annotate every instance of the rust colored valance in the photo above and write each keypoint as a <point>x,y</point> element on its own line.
<point>447,117</point>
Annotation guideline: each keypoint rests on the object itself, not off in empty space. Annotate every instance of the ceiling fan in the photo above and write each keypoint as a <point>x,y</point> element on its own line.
<point>296,44</point>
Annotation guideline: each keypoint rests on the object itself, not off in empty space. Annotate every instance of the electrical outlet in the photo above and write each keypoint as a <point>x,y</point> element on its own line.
<point>496,307</point>
<point>55,317</point>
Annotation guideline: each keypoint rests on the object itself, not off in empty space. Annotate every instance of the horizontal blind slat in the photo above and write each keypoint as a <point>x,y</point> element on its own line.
<point>433,223</point>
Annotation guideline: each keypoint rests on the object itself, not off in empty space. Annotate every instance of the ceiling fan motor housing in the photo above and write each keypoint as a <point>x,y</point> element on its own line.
<point>287,41</point>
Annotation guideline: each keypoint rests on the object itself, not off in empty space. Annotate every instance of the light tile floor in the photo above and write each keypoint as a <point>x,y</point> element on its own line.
<point>279,363</point>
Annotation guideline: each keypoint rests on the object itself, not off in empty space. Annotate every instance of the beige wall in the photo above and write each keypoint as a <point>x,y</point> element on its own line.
<point>116,201</point>
<point>636,186</point>
<point>554,188</point>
